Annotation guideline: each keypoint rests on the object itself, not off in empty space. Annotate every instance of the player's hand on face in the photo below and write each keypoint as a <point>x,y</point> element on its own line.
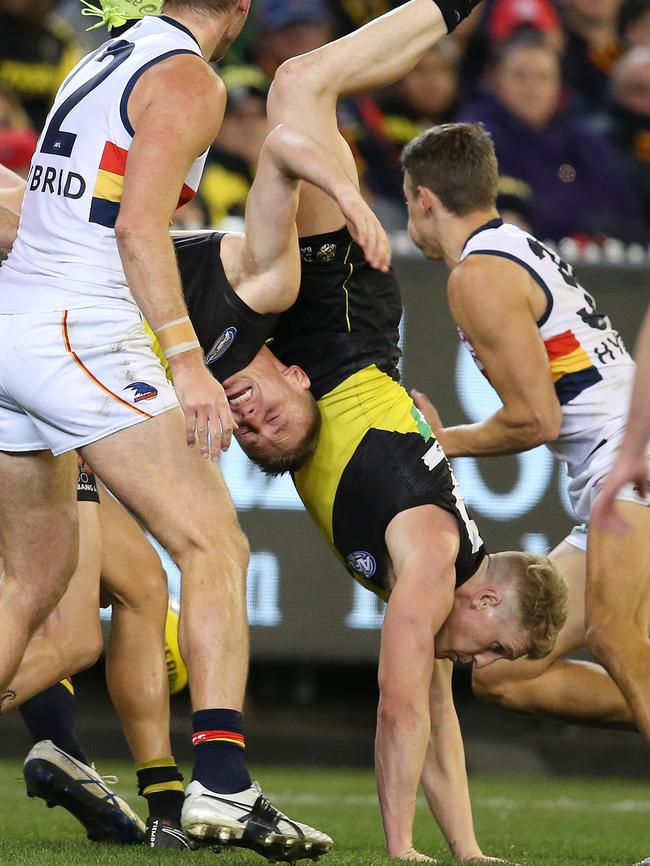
<point>626,470</point>
<point>428,410</point>
<point>412,854</point>
<point>205,406</point>
<point>365,229</point>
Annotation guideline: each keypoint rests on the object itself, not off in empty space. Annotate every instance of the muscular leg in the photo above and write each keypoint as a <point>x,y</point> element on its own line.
<point>183,501</point>
<point>39,543</point>
<point>70,639</point>
<point>134,582</point>
<point>618,607</point>
<point>306,88</point>
<point>564,689</point>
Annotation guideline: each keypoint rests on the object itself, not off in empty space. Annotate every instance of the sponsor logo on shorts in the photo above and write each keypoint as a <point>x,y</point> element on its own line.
<point>221,344</point>
<point>142,391</point>
<point>326,253</point>
<point>362,562</point>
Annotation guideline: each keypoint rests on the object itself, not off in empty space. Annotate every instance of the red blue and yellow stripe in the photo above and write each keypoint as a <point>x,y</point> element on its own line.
<point>109,183</point>
<point>201,737</point>
<point>571,366</point>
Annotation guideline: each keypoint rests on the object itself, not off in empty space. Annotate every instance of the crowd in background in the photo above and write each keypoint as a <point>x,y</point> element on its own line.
<point>563,87</point>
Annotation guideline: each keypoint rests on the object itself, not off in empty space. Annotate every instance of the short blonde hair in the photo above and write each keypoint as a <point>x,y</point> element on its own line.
<point>542,595</point>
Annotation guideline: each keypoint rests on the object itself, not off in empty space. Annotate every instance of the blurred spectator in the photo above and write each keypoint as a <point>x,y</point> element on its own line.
<point>630,116</point>
<point>593,46</point>
<point>12,114</point>
<point>634,22</point>
<point>37,51</point>
<point>427,95</point>
<point>377,127</point>
<point>578,180</point>
<point>291,27</point>
<point>508,16</point>
<point>351,14</point>
<point>17,147</point>
<point>232,159</point>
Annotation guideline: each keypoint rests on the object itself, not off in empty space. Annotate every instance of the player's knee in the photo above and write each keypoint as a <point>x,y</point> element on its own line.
<point>150,588</point>
<point>220,543</point>
<point>606,638</point>
<point>295,78</point>
<point>87,653</point>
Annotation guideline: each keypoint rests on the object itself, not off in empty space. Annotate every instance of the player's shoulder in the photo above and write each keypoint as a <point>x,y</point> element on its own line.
<point>185,78</point>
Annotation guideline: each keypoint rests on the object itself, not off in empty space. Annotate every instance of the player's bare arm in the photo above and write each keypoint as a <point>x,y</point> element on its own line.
<point>171,131</point>
<point>493,303</point>
<point>263,265</point>
<point>12,189</point>
<point>423,543</point>
<point>444,779</point>
<point>632,463</point>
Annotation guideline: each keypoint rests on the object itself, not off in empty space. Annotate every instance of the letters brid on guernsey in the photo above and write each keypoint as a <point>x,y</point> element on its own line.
<point>56,181</point>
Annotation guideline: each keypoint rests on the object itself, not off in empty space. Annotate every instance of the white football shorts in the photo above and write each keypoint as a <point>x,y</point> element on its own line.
<point>584,487</point>
<point>72,377</point>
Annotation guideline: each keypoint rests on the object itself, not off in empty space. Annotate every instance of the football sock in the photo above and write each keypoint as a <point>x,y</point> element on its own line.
<point>50,715</point>
<point>161,784</point>
<point>219,745</point>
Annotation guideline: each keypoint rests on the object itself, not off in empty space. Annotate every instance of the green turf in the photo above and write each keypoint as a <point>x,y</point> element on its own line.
<point>534,822</point>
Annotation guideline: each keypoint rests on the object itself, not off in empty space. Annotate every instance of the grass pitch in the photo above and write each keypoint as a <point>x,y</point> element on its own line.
<point>533,822</point>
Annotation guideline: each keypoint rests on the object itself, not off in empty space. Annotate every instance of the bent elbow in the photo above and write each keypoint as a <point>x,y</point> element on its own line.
<point>125,233</point>
<point>548,426</point>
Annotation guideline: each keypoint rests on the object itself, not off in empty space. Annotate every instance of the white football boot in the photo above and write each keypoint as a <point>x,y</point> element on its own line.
<point>247,819</point>
<point>61,780</point>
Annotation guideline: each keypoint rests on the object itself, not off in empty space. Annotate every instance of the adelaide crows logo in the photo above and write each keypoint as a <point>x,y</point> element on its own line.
<point>362,562</point>
<point>221,344</point>
<point>142,391</point>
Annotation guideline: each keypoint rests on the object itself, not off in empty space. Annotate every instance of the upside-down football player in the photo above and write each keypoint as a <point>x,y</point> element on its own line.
<point>420,548</point>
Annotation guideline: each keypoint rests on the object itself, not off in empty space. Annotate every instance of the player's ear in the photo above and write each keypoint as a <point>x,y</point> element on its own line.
<point>298,376</point>
<point>485,597</point>
<point>427,199</point>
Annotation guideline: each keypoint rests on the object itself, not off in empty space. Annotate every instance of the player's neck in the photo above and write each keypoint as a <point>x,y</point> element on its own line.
<point>207,29</point>
<point>457,232</point>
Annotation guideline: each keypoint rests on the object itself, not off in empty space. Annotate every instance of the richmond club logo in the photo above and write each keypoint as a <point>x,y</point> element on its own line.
<point>362,562</point>
<point>221,344</point>
<point>142,391</point>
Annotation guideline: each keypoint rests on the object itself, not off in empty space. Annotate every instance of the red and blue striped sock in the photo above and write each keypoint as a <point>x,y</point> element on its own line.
<point>219,746</point>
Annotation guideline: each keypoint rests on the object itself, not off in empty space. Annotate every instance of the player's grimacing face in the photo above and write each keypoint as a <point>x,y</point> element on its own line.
<point>268,412</point>
<point>480,636</point>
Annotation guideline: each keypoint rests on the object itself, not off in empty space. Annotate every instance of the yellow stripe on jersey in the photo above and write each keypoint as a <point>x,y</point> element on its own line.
<point>367,399</point>
<point>571,363</point>
<point>67,682</point>
<point>108,186</point>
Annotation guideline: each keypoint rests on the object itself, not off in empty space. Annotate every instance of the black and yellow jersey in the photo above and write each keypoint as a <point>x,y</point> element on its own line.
<point>346,316</point>
<point>230,333</point>
<point>375,458</point>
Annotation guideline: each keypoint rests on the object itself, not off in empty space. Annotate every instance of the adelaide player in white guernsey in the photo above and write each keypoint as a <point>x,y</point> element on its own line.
<point>122,146</point>
<point>564,377</point>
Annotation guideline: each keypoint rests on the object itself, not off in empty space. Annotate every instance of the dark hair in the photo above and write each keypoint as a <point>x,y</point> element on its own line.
<point>456,161</point>
<point>292,461</point>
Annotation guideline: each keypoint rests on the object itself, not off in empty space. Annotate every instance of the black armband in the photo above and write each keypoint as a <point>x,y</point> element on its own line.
<point>455,11</point>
